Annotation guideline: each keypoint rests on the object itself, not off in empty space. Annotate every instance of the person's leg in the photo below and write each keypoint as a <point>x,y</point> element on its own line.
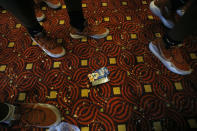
<point>171,57</point>
<point>186,25</point>
<point>23,10</point>
<point>75,12</point>
<point>54,4</point>
<point>166,10</point>
<point>79,26</point>
<point>166,49</point>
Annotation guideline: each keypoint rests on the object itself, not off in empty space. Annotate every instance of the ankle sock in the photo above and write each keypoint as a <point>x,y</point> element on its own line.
<point>169,42</point>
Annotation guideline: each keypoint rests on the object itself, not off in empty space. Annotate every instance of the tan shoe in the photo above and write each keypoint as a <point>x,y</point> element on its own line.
<point>64,126</point>
<point>94,31</point>
<point>162,9</point>
<point>38,115</point>
<point>49,45</point>
<point>172,58</point>
<point>55,4</point>
<point>40,16</point>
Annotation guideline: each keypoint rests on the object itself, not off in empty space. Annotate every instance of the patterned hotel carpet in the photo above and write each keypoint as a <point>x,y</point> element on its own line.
<point>142,93</point>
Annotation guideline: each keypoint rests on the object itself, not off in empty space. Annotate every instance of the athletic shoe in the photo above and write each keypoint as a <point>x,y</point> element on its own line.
<point>55,4</point>
<point>38,115</point>
<point>171,58</point>
<point>49,45</point>
<point>39,14</point>
<point>183,9</point>
<point>160,9</point>
<point>180,12</point>
<point>7,114</point>
<point>64,126</point>
<point>94,31</point>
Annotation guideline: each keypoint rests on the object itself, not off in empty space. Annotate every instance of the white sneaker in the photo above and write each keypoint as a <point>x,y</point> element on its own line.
<point>156,11</point>
<point>54,4</point>
<point>180,12</point>
<point>64,126</point>
<point>170,64</point>
<point>49,45</point>
<point>94,31</point>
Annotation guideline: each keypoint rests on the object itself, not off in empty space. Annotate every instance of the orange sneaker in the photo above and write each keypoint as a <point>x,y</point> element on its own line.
<point>172,58</point>
<point>49,45</point>
<point>165,53</point>
<point>55,4</point>
<point>161,8</point>
<point>94,31</point>
<point>39,14</point>
<point>38,115</point>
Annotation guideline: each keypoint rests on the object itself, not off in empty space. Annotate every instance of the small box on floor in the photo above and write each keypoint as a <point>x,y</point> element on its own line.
<point>99,76</point>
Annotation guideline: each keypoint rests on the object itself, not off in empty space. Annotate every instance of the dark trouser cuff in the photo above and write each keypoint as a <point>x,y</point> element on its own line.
<point>77,20</point>
<point>169,42</point>
<point>178,3</point>
<point>33,31</point>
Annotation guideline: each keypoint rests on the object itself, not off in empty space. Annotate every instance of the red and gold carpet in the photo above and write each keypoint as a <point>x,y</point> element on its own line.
<point>142,93</point>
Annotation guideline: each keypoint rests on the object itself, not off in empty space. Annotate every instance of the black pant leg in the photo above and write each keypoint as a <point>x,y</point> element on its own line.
<point>23,10</point>
<point>75,12</point>
<point>178,3</point>
<point>186,25</point>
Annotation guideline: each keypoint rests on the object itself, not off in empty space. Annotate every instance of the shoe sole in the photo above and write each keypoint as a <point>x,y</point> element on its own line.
<point>180,12</point>
<point>52,5</point>
<point>156,11</point>
<point>49,53</point>
<point>166,63</point>
<point>54,109</point>
<point>100,36</point>
<point>64,126</point>
<point>41,18</point>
